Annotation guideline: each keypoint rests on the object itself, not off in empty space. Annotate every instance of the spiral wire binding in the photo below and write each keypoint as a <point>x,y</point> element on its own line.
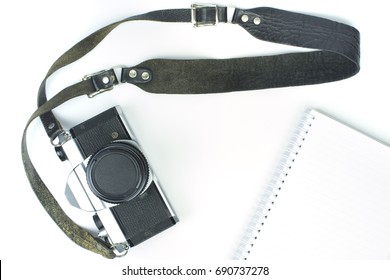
<point>274,187</point>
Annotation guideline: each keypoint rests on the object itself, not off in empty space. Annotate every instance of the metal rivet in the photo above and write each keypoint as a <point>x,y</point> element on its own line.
<point>257,20</point>
<point>244,18</point>
<point>114,135</point>
<point>105,80</point>
<point>51,126</point>
<point>145,76</point>
<point>132,73</point>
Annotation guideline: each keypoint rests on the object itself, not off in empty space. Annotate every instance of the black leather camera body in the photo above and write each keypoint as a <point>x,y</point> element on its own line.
<point>112,179</point>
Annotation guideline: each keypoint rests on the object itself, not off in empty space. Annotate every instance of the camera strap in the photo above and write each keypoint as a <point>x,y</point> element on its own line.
<point>334,56</point>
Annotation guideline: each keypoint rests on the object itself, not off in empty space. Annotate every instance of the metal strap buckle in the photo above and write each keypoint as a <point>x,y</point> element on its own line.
<point>102,81</point>
<point>194,10</point>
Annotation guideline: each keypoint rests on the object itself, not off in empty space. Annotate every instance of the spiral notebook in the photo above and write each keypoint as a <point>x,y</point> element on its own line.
<point>330,199</point>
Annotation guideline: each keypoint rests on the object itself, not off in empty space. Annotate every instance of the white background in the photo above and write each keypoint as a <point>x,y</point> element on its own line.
<point>213,154</point>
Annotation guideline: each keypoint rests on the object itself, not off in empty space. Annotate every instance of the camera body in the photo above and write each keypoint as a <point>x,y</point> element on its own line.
<point>112,179</point>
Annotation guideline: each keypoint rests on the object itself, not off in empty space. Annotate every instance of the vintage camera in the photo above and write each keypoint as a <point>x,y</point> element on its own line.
<point>112,179</point>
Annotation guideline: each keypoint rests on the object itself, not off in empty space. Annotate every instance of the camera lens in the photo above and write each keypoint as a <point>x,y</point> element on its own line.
<point>118,172</point>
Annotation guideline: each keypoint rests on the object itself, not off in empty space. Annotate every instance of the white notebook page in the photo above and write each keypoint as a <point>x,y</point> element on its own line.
<point>334,202</point>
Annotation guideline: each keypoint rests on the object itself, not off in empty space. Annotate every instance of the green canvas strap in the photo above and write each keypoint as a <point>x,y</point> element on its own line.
<point>72,230</point>
<point>335,56</point>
